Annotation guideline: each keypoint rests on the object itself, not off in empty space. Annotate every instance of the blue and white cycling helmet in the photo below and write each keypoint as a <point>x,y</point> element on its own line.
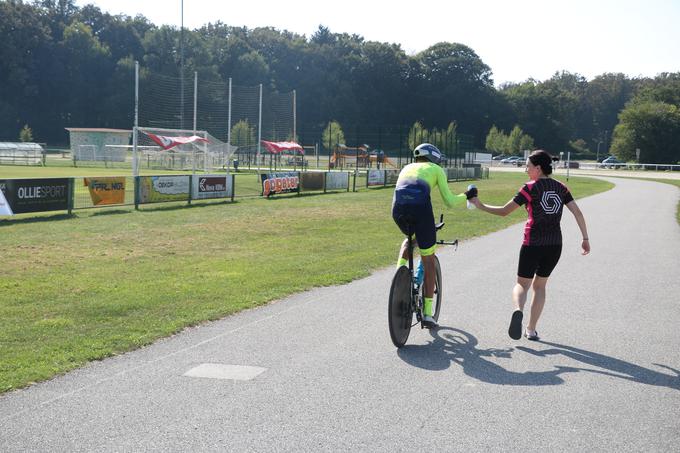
<point>430,151</point>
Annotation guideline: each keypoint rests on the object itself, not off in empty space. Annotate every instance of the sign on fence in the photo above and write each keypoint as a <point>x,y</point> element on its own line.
<point>337,180</point>
<point>391,176</point>
<point>106,190</point>
<point>5,208</point>
<point>154,189</point>
<point>311,180</point>
<point>375,178</point>
<point>36,195</point>
<point>211,186</point>
<point>282,182</point>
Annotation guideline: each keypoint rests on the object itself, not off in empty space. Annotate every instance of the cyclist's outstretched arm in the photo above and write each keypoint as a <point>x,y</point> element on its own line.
<point>449,198</point>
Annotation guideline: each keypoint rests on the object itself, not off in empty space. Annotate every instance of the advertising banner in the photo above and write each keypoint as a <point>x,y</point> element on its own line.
<point>375,178</point>
<point>211,186</point>
<point>5,209</point>
<point>282,182</point>
<point>311,180</point>
<point>36,195</point>
<point>155,189</point>
<point>337,180</point>
<point>106,190</point>
<point>391,176</point>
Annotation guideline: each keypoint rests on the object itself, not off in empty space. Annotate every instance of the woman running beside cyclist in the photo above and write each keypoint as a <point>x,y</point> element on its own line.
<point>545,199</point>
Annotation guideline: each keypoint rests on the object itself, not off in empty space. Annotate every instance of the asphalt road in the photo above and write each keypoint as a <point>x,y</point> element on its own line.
<point>326,377</point>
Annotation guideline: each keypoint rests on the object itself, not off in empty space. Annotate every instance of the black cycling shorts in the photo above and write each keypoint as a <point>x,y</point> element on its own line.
<point>538,260</point>
<point>423,225</point>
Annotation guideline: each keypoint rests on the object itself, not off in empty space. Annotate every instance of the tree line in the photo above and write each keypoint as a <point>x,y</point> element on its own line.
<point>66,66</point>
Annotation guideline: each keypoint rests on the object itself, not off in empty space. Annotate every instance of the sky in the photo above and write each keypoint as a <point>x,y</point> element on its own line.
<point>517,39</point>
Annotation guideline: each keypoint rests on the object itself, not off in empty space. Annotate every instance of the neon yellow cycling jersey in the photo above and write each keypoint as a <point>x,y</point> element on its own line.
<point>417,180</point>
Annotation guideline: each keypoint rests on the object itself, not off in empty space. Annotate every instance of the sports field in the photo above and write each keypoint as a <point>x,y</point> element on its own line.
<point>99,283</point>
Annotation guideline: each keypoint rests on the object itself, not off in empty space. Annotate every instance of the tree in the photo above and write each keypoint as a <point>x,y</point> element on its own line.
<point>25,50</point>
<point>251,68</point>
<point>447,142</point>
<point>495,140</point>
<point>663,88</point>
<point>514,140</point>
<point>535,111</point>
<point>332,135</point>
<point>450,81</point>
<point>579,145</point>
<point>651,126</point>
<point>417,135</point>
<point>243,134</point>
<point>26,134</point>
<point>526,143</point>
<point>607,94</point>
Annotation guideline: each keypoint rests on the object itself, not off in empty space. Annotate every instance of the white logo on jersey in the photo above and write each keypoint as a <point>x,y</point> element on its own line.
<point>551,202</point>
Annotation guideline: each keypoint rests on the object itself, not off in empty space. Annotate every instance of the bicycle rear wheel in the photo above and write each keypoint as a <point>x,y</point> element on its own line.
<point>400,313</point>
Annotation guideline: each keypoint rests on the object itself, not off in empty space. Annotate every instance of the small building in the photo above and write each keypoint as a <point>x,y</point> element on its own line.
<point>21,153</point>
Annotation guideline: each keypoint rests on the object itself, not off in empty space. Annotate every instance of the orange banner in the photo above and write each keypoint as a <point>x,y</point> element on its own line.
<point>106,190</point>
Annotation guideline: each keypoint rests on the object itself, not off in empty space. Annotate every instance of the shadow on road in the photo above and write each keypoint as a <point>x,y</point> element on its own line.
<point>450,345</point>
<point>610,366</point>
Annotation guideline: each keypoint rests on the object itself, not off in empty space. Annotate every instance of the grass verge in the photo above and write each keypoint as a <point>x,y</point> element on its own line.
<point>81,288</point>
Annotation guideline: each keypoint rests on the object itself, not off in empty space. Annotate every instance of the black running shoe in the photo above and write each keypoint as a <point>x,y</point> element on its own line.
<point>515,329</point>
<point>533,336</point>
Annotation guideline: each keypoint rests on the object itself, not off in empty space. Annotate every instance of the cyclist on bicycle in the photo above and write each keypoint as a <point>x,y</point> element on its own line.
<point>412,201</point>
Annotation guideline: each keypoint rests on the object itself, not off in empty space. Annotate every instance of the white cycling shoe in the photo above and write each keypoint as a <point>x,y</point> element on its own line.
<point>429,322</point>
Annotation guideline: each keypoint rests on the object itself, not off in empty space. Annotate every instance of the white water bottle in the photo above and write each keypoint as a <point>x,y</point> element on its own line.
<point>469,188</point>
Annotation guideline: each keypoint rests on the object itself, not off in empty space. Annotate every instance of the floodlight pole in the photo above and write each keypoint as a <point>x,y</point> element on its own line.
<point>229,116</point>
<point>259,130</point>
<point>135,131</point>
<point>181,66</point>
<point>195,98</point>
<point>294,117</point>
<point>195,108</point>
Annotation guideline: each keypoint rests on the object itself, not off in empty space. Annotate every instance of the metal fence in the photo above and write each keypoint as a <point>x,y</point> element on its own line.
<point>27,196</point>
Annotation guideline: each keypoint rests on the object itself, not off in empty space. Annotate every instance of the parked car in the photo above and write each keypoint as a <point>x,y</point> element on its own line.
<point>499,157</point>
<point>611,162</point>
<point>513,160</point>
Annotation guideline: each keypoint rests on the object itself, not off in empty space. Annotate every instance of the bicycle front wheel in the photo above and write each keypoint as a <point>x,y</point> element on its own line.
<point>437,296</point>
<point>437,299</point>
<point>400,313</point>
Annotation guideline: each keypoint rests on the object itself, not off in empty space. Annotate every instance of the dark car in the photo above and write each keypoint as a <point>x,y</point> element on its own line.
<point>611,162</point>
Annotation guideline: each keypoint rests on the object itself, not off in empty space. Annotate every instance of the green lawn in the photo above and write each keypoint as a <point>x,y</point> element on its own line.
<point>99,283</point>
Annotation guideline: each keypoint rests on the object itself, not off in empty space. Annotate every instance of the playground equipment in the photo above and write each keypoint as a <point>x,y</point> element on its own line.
<point>360,156</point>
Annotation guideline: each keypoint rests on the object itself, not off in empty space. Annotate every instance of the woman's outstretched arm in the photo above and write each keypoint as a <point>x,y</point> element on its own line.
<point>496,210</point>
<point>581,221</point>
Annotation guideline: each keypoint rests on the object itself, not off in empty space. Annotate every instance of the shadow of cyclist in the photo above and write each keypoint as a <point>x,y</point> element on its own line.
<point>610,366</point>
<point>450,345</point>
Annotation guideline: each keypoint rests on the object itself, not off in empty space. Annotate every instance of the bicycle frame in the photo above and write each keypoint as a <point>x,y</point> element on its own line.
<point>416,300</point>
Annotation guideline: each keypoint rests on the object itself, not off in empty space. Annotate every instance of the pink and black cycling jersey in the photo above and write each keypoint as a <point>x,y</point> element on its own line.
<point>545,199</point>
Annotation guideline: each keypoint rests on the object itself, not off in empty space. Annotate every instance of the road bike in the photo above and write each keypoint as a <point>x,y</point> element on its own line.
<point>406,292</point>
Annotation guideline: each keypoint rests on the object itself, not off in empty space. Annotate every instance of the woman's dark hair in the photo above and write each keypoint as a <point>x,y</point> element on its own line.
<point>544,160</point>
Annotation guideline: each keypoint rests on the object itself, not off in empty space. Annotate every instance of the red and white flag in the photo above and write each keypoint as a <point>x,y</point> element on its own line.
<point>166,142</point>
<point>279,147</point>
